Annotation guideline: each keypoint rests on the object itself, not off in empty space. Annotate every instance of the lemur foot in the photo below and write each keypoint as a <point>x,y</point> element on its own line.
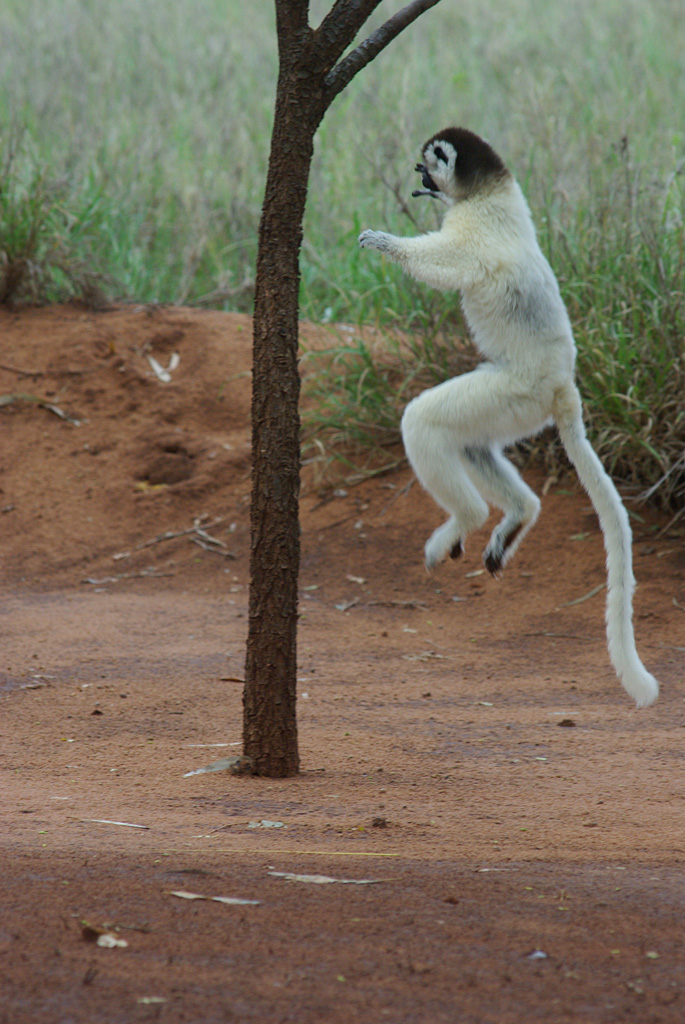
<point>495,554</point>
<point>457,551</point>
<point>443,542</point>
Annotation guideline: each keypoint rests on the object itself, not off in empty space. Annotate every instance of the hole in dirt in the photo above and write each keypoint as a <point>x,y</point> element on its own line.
<point>168,463</point>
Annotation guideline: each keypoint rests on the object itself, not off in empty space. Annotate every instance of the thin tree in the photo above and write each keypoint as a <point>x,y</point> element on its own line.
<point>312,72</point>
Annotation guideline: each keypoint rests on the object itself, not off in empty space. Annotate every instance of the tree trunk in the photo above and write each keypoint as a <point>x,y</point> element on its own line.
<point>269,720</point>
<point>309,79</point>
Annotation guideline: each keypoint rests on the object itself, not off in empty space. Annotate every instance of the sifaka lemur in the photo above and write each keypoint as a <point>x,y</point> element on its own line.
<point>454,434</point>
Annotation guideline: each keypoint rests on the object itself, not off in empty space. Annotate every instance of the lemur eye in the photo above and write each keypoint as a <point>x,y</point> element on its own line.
<point>440,154</point>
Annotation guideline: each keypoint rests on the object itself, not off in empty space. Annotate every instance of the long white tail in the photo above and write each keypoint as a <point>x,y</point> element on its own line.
<point>613,519</point>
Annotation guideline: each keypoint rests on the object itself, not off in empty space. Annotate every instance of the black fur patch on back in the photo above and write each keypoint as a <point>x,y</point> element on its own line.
<point>477,163</point>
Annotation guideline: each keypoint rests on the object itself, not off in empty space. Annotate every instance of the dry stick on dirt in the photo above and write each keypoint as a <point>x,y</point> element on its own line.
<point>197,528</point>
<point>22,396</point>
<point>312,72</point>
<point>42,373</point>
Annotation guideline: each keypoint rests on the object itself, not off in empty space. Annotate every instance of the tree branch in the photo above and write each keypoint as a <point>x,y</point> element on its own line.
<point>340,26</point>
<point>344,72</point>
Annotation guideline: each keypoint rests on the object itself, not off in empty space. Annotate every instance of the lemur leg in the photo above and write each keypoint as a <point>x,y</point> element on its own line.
<point>435,456</point>
<point>441,472</point>
<point>452,435</point>
<point>499,482</point>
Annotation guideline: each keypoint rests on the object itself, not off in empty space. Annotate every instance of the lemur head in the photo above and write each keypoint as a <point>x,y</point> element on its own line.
<point>456,164</point>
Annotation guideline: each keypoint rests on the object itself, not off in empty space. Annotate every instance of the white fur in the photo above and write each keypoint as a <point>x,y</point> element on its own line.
<point>454,434</point>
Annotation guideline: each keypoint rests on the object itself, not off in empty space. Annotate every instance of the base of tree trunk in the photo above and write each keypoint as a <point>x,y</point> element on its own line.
<point>242,765</point>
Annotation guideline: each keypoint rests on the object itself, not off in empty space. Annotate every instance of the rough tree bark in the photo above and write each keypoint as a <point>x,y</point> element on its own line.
<point>311,74</point>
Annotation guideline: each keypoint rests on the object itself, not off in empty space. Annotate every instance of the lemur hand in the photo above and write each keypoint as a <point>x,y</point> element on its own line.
<point>375,240</point>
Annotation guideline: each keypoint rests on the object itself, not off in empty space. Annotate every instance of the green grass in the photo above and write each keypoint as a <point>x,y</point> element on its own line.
<point>45,230</point>
<point>623,274</point>
<point>133,157</point>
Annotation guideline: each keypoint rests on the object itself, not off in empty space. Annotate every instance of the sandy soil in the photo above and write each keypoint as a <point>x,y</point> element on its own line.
<point>465,745</point>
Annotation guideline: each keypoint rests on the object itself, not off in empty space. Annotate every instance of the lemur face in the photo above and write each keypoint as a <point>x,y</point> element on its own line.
<point>456,164</point>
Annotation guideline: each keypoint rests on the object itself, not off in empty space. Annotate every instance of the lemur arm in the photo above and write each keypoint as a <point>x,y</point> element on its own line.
<point>436,258</point>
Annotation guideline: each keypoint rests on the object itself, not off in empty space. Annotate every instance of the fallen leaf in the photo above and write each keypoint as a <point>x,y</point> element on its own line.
<point>101,936</point>
<point>146,487</point>
<point>266,824</point>
<point>160,372</point>
<point>106,821</point>
<point>424,656</point>
<point>109,941</point>
<point>223,765</point>
<point>322,879</point>
<point>230,900</point>
<point>235,744</point>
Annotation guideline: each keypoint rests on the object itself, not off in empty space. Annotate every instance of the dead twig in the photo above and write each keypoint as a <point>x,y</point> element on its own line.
<point>211,547</point>
<point>346,605</point>
<point>670,523</point>
<point>398,494</point>
<point>21,396</point>
<point>585,597</point>
<point>171,534</point>
<point>209,539</point>
<point>395,187</point>
<point>560,636</point>
<point>42,373</point>
<point>421,605</point>
<point>145,574</point>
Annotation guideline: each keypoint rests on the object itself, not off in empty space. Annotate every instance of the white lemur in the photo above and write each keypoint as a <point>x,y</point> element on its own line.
<point>454,434</point>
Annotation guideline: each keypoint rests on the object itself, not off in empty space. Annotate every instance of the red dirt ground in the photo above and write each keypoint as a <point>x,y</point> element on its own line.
<point>464,741</point>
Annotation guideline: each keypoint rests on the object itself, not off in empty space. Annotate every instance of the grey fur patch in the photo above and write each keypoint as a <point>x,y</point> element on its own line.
<point>530,308</point>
